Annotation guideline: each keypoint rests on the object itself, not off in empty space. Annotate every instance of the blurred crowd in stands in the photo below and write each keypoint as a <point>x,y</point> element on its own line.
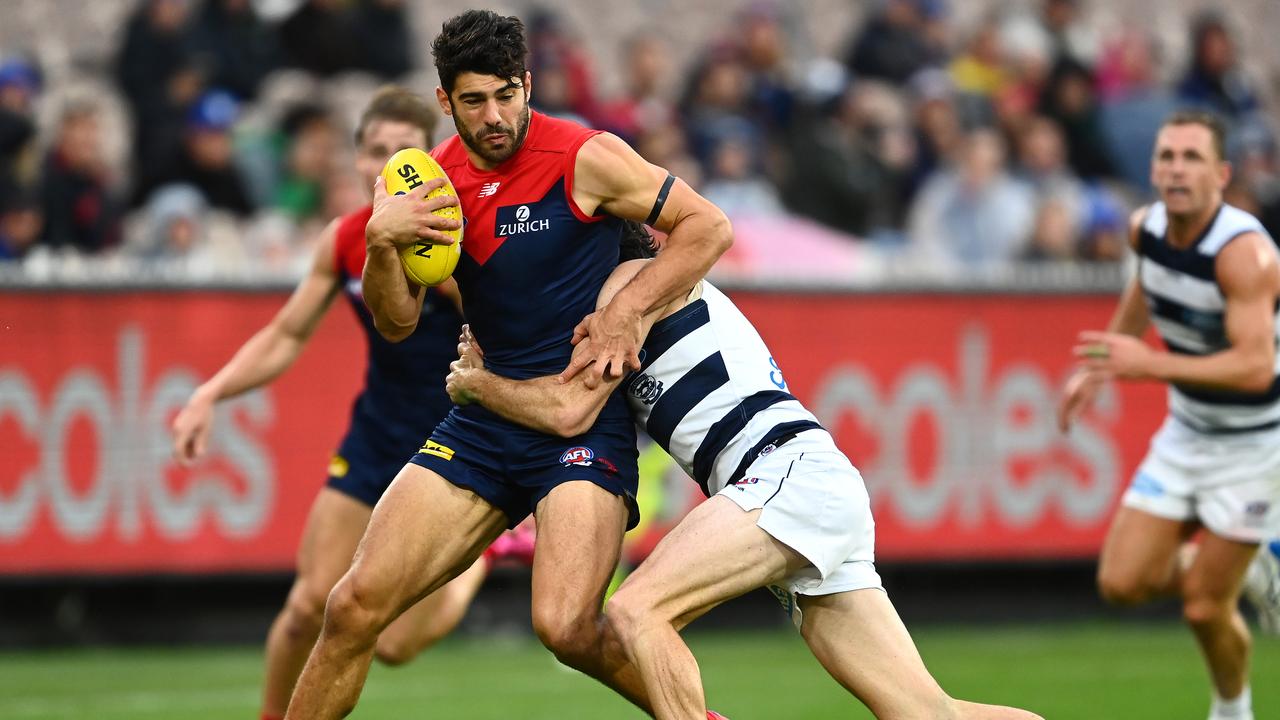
<point>1025,137</point>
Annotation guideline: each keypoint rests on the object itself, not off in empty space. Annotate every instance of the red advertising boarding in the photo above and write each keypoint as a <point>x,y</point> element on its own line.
<point>945,403</point>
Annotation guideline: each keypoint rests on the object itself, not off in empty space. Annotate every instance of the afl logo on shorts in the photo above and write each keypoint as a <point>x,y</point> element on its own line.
<point>577,456</point>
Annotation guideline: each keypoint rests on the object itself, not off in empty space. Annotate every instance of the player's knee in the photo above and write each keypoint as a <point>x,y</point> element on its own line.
<point>628,613</point>
<point>304,611</point>
<point>395,651</point>
<point>349,610</point>
<point>571,636</point>
<point>1205,610</point>
<point>1118,589</point>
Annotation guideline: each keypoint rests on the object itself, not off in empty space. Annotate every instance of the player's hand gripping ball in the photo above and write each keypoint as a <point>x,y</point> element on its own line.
<point>424,263</point>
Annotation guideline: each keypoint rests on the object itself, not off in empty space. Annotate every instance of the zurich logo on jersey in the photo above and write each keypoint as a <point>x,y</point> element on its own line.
<point>519,220</point>
<point>577,456</point>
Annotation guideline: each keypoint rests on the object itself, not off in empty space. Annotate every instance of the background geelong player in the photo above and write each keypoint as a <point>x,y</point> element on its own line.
<point>1209,279</point>
<point>403,398</point>
<point>787,509</point>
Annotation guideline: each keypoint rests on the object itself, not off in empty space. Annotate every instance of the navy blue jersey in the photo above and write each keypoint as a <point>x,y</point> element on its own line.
<point>404,396</point>
<point>533,262</point>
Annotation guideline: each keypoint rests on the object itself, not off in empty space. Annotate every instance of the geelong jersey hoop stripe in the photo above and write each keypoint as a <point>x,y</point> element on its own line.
<point>705,378</point>
<point>1188,309</point>
<point>727,427</point>
<point>672,329</point>
<point>709,392</point>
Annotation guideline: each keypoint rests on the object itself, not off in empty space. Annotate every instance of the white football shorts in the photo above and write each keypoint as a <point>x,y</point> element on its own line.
<point>1229,482</point>
<point>813,500</point>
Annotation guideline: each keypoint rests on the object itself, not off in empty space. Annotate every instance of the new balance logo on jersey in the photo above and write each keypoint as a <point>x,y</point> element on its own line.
<point>645,388</point>
<point>519,221</point>
<point>489,189</point>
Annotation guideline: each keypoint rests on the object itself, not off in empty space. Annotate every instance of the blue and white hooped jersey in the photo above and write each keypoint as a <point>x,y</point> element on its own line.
<point>709,391</point>
<point>1187,306</point>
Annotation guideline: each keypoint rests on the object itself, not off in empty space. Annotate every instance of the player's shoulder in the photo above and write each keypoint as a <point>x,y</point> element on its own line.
<point>549,134</point>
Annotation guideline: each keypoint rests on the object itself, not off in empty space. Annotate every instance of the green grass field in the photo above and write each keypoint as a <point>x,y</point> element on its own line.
<point>1093,671</point>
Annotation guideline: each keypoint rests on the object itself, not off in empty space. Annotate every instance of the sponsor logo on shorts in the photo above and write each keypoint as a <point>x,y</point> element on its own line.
<point>338,466</point>
<point>767,449</point>
<point>586,457</point>
<point>436,449</point>
<point>745,481</point>
<point>1144,484</point>
<point>578,456</point>
<point>1255,513</point>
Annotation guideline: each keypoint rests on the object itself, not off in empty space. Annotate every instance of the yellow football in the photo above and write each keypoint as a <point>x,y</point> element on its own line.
<point>424,263</point>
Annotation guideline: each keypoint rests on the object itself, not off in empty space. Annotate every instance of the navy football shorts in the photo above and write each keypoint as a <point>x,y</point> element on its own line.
<point>513,468</point>
<point>367,462</point>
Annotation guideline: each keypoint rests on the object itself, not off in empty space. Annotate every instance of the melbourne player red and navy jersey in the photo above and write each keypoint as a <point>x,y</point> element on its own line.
<point>404,393</point>
<point>532,261</point>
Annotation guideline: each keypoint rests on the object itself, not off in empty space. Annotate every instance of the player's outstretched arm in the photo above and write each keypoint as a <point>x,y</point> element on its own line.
<point>545,404</point>
<point>1249,275</point>
<point>399,221</point>
<point>612,178</point>
<point>1129,318</point>
<point>264,356</point>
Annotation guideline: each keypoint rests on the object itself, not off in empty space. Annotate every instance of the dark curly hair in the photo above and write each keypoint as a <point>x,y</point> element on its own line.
<point>482,42</point>
<point>636,242</point>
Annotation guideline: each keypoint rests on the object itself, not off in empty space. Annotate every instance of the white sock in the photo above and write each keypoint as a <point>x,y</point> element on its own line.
<point>1237,708</point>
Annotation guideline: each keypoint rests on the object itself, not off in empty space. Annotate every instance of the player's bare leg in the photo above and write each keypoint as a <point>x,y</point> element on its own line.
<point>859,638</point>
<point>580,528</point>
<point>716,553</point>
<point>431,618</point>
<point>333,530</point>
<point>424,532</point>
<point>1210,605</point>
<point>1141,557</point>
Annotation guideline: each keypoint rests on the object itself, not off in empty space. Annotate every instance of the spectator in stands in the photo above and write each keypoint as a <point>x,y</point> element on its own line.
<point>1134,104</point>
<point>81,211</point>
<point>1053,236</point>
<point>1106,227</point>
<point>1069,99</point>
<point>205,160</point>
<point>1042,165</point>
<point>552,48</point>
<point>555,90</point>
<point>311,148</point>
<point>1215,79</point>
<point>642,106</point>
<point>939,133</point>
<point>974,215</point>
<point>764,55</point>
<point>1072,38</point>
<point>19,83</point>
<point>896,41</point>
<point>159,76</point>
<point>848,168</point>
<point>324,38</point>
<point>386,39</point>
<point>735,183</point>
<point>238,48</point>
<point>20,222</point>
<point>716,104</point>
